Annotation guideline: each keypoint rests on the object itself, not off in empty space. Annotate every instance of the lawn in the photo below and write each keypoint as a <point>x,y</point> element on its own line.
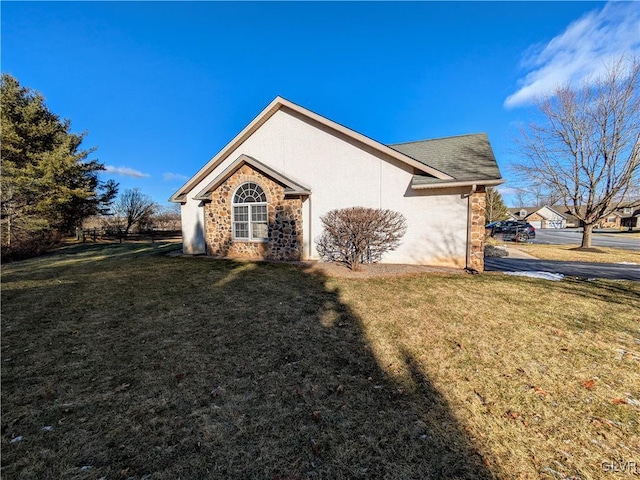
<point>569,253</point>
<point>122,362</point>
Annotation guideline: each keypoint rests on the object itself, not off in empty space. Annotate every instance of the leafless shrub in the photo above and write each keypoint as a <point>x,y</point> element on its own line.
<point>359,235</point>
<point>28,244</point>
<point>495,252</point>
<point>167,217</point>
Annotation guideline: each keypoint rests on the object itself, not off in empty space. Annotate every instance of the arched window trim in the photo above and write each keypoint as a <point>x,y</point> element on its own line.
<point>249,215</point>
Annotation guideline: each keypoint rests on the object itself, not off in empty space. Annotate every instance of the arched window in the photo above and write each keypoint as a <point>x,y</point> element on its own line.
<point>250,221</point>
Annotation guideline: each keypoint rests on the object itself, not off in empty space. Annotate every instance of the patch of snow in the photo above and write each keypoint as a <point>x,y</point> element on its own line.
<point>626,263</point>
<point>556,277</point>
<point>16,439</point>
<point>47,428</point>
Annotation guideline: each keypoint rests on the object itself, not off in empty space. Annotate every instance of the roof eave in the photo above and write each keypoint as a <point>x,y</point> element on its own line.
<point>555,211</point>
<point>291,187</point>
<point>462,183</point>
<point>267,113</point>
<point>262,117</point>
<point>364,139</point>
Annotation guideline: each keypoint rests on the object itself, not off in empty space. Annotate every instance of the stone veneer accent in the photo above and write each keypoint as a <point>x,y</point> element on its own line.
<point>478,205</point>
<point>284,217</point>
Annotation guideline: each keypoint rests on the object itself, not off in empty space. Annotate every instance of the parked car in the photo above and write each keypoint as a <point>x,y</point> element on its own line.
<point>511,230</point>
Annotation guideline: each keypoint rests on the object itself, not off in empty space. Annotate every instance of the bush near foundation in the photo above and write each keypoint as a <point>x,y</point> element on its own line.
<point>495,252</point>
<point>359,235</point>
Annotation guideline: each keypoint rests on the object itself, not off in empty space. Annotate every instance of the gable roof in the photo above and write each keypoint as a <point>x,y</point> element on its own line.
<point>515,211</point>
<point>432,176</point>
<point>290,187</point>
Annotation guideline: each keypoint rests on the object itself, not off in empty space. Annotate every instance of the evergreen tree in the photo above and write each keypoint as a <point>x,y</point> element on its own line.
<point>495,208</point>
<point>48,183</point>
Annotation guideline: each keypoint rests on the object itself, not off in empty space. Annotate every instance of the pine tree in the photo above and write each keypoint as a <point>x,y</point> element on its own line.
<point>48,183</point>
<point>495,208</point>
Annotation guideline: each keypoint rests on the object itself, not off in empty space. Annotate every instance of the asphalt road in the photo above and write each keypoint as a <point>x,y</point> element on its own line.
<point>614,239</point>
<point>612,271</point>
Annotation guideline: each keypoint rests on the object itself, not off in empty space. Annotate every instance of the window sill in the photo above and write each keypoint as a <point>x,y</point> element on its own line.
<point>248,240</point>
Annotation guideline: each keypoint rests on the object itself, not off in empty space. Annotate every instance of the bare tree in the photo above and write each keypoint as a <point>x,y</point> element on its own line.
<point>358,234</point>
<point>167,217</point>
<point>587,146</point>
<point>522,197</point>
<point>495,208</point>
<point>134,207</point>
<point>535,194</point>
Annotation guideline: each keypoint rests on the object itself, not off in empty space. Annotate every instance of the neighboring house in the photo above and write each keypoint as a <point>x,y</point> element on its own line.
<point>263,194</point>
<point>572,220</point>
<point>630,217</point>
<point>539,217</point>
<point>610,221</point>
<point>627,216</point>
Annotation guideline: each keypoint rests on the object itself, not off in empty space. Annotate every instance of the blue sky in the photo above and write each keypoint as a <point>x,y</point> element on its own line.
<point>160,87</point>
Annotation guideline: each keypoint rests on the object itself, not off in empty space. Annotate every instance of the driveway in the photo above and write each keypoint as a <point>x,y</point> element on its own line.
<point>612,271</point>
<point>601,238</point>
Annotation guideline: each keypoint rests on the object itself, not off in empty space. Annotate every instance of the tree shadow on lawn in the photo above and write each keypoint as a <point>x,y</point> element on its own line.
<point>193,368</point>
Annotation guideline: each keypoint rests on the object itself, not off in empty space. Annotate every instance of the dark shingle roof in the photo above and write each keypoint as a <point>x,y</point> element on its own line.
<point>464,157</point>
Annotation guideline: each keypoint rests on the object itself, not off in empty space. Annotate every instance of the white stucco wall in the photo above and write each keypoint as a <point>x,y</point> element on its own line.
<point>553,220</point>
<point>192,215</point>
<point>340,173</point>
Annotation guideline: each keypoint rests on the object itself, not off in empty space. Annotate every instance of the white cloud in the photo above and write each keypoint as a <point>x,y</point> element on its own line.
<point>581,52</point>
<point>125,171</point>
<point>174,176</point>
<point>504,190</point>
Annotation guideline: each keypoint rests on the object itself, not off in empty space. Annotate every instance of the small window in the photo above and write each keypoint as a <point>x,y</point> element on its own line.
<point>250,220</point>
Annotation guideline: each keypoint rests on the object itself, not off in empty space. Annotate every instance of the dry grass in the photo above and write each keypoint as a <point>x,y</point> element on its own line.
<point>148,366</point>
<point>569,253</point>
<point>623,234</point>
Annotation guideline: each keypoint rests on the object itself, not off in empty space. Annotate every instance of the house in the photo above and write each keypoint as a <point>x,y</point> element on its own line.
<point>539,217</point>
<point>627,216</point>
<point>610,221</point>
<point>263,194</point>
<point>572,220</point>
